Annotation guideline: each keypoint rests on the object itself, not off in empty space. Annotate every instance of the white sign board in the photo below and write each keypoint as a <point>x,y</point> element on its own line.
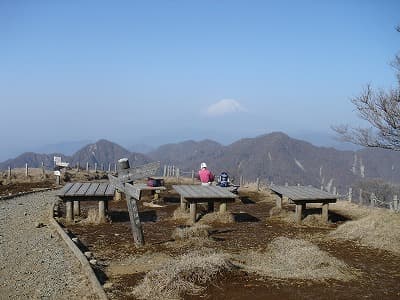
<point>57,173</point>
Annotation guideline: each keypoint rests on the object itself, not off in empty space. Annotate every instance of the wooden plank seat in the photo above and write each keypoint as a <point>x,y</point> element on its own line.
<point>194,194</point>
<point>301,195</point>
<point>72,193</point>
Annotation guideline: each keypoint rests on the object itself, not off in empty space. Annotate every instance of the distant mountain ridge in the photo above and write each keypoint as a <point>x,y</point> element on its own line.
<point>273,157</point>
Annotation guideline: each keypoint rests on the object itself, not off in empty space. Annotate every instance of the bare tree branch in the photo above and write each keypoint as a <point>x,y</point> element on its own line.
<point>381,109</point>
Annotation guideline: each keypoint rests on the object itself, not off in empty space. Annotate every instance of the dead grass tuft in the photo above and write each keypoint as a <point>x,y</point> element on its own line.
<point>295,258</point>
<point>180,214</point>
<point>197,231</point>
<point>186,274</point>
<point>92,216</point>
<point>217,217</point>
<point>379,230</point>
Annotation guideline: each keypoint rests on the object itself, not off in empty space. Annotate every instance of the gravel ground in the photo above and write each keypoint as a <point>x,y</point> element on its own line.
<point>35,263</point>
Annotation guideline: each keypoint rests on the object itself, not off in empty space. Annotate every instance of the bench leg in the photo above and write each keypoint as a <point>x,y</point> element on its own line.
<point>210,206</point>
<point>325,207</point>
<point>77,208</point>
<point>193,211</point>
<point>69,205</point>
<point>299,213</point>
<point>117,195</point>
<point>222,207</point>
<point>102,212</point>
<point>279,202</point>
<point>183,204</point>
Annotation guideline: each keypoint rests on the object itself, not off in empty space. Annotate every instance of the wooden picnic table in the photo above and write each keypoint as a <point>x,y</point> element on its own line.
<point>301,195</point>
<point>73,193</point>
<point>194,194</point>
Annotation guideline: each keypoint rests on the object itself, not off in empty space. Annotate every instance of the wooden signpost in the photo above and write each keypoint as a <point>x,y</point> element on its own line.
<point>135,173</point>
<point>132,194</point>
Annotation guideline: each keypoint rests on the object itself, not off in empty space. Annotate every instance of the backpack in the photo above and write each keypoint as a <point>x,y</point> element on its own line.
<point>224,179</point>
<point>153,182</point>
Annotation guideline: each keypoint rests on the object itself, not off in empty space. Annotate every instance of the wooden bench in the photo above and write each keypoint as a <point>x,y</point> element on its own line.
<point>301,195</point>
<point>194,194</point>
<point>73,193</point>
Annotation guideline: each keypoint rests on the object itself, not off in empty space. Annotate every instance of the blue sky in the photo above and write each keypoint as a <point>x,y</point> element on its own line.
<point>165,71</point>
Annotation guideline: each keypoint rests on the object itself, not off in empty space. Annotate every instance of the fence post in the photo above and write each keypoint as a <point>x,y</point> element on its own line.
<point>43,171</point>
<point>177,173</point>
<point>258,184</point>
<point>395,203</point>
<point>334,190</point>
<point>372,199</point>
<point>109,167</point>
<point>165,171</point>
<point>115,167</point>
<point>360,200</point>
<point>95,167</point>
<point>9,172</point>
<point>350,195</point>
<point>193,176</point>
<point>26,170</point>
<point>87,167</point>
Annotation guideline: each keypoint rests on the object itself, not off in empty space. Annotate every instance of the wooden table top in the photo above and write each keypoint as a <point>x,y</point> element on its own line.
<point>203,192</point>
<point>87,189</point>
<point>299,193</point>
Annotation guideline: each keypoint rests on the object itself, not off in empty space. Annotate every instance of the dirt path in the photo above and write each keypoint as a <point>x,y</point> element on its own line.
<point>35,263</point>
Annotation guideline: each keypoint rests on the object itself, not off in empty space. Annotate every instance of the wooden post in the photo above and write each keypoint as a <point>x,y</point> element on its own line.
<point>372,200</point>
<point>87,167</point>
<point>95,167</point>
<point>183,204</point>
<point>109,168</point>
<point>350,195</point>
<point>117,195</point>
<point>279,201</point>
<point>325,207</point>
<point>241,182</point>
<point>9,172</point>
<point>193,176</point>
<point>165,171</point>
<point>102,166</point>
<point>360,199</point>
<point>193,211</point>
<point>258,184</point>
<point>299,213</point>
<point>222,207</point>
<point>334,190</point>
<point>43,170</point>
<point>102,211</point>
<point>69,205</point>
<point>58,180</point>
<point>136,225</point>
<point>77,208</point>
<point>177,173</point>
<point>395,203</point>
<point>115,168</point>
<point>26,170</point>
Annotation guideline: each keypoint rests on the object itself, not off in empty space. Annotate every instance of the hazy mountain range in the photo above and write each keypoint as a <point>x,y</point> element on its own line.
<point>274,157</point>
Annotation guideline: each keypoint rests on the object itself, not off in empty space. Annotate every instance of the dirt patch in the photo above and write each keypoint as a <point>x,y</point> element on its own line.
<point>253,230</point>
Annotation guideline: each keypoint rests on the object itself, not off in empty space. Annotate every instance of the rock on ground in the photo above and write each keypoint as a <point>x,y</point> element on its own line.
<point>35,263</point>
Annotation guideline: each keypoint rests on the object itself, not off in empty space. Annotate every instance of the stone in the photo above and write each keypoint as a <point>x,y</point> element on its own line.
<point>88,254</point>
<point>93,262</point>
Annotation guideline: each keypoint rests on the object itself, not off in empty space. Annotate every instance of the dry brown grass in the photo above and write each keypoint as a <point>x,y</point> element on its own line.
<point>217,217</point>
<point>295,258</point>
<point>379,229</point>
<point>186,274</point>
<point>180,214</point>
<point>92,216</point>
<point>195,231</point>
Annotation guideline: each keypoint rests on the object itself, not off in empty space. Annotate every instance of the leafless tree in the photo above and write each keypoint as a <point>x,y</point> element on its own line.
<point>382,110</point>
